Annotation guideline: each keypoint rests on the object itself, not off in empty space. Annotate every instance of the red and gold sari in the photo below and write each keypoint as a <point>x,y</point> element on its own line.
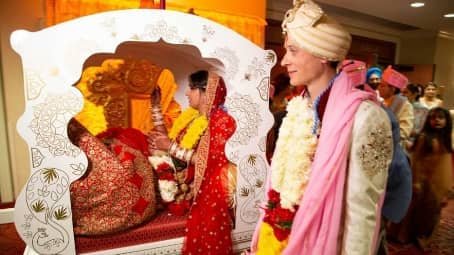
<point>209,223</point>
<point>117,191</point>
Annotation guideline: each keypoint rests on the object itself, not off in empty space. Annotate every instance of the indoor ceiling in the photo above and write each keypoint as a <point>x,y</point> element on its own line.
<point>397,13</point>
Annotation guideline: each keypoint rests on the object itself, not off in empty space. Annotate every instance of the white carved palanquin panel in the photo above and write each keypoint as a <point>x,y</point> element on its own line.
<point>53,59</point>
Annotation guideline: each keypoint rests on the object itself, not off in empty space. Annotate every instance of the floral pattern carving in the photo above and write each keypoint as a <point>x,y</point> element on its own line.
<point>230,60</point>
<point>37,157</point>
<point>34,84</point>
<point>49,124</point>
<point>207,33</point>
<point>161,29</point>
<point>263,88</point>
<point>247,116</point>
<point>44,193</point>
<point>253,170</point>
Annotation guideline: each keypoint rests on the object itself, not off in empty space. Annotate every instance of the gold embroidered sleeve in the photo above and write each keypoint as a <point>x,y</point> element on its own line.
<point>370,155</point>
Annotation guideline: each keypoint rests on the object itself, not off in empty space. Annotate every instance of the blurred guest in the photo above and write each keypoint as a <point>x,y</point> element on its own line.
<point>389,89</point>
<point>373,77</point>
<point>430,99</point>
<point>412,93</point>
<point>282,92</point>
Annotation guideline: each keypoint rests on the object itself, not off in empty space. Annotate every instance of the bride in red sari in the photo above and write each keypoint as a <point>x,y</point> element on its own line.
<point>209,224</point>
<point>118,190</point>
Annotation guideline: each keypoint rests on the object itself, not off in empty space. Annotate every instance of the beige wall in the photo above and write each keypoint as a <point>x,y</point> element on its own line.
<point>24,14</point>
<point>444,69</point>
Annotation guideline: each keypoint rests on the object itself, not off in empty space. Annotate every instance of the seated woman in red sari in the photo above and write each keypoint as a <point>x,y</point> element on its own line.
<point>197,139</point>
<point>117,190</point>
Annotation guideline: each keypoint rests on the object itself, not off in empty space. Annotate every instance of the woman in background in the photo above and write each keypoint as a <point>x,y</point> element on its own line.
<point>420,112</point>
<point>430,100</point>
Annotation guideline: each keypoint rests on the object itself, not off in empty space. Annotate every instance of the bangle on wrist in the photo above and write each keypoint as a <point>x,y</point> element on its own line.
<point>156,109</point>
<point>172,148</point>
<point>158,123</point>
<point>188,156</point>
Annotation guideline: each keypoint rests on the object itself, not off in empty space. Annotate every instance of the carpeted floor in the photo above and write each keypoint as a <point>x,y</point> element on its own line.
<point>11,244</point>
<point>443,243</point>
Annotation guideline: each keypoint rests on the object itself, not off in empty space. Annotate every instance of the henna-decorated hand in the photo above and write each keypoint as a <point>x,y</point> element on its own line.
<point>158,141</point>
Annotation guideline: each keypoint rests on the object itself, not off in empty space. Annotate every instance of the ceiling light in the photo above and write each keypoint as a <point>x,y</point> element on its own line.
<point>449,15</point>
<point>417,4</point>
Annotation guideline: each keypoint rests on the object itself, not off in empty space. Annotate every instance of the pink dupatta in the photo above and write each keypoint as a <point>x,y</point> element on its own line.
<point>315,228</point>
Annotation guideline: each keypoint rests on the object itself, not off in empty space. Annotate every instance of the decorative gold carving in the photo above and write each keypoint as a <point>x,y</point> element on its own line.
<point>117,81</point>
<point>141,76</point>
<point>116,111</point>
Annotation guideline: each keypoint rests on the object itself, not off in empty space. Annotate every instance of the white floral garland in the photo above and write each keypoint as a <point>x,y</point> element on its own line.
<point>167,189</point>
<point>295,149</point>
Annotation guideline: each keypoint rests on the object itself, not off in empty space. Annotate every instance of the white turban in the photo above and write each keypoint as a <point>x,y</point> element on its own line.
<point>315,32</point>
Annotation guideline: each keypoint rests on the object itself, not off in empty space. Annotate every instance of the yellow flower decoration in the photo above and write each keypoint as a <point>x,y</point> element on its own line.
<point>182,121</point>
<point>268,243</point>
<point>194,132</point>
<point>197,126</point>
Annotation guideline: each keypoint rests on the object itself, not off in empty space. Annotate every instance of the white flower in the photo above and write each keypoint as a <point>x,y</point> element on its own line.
<point>292,160</point>
<point>168,190</point>
<point>156,160</point>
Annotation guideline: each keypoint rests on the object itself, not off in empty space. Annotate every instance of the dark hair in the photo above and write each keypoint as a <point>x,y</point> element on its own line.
<point>442,135</point>
<point>333,64</point>
<point>198,80</point>
<point>281,82</point>
<point>396,90</point>
<point>414,89</point>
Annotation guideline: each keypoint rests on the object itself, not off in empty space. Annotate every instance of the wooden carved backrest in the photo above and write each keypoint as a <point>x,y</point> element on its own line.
<point>111,89</point>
